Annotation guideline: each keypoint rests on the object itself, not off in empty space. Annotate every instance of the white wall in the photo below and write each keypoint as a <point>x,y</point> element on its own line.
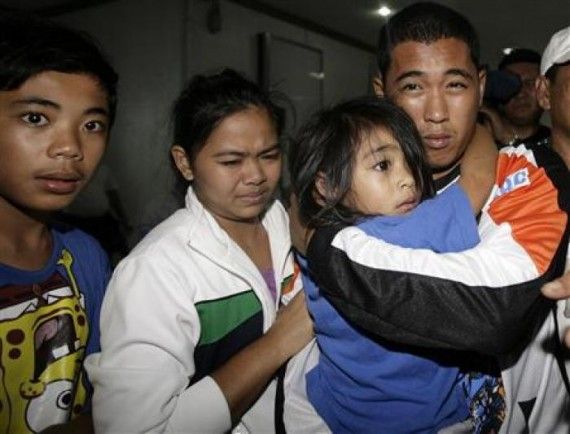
<point>155,46</point>
<point>143,39</point>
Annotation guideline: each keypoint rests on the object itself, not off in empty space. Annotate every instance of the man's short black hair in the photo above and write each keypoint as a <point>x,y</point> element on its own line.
<point>30,45</point>
<point>519,55</point>
<point>553,70</point>
<point>426,23</point>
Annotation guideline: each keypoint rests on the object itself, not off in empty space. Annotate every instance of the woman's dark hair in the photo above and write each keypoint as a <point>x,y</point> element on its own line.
<point>326,148</point>
<point>31,45</point>
<point>209,99</point>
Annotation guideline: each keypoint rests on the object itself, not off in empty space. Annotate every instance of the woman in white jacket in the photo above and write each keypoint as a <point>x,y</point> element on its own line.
<point>190,336</point>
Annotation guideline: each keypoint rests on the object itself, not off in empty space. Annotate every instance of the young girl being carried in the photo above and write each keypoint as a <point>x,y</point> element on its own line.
<point>362,164</point>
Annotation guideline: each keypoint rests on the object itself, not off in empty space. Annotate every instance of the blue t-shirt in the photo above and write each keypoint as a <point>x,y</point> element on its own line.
<point>49,322</point>
<point>362,384</point>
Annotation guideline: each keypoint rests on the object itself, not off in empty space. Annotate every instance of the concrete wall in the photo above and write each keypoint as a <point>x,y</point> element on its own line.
<point>157,45</point>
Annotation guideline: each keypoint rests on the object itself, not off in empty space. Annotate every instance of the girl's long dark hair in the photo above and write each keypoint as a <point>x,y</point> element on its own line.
<point>326,147</point>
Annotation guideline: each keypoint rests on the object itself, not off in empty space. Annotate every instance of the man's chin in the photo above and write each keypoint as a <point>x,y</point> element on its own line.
<point>442,166</point>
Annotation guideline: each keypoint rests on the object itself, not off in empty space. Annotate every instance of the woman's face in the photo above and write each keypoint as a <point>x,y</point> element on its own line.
<point>236,172</point>
<point>382,183</point>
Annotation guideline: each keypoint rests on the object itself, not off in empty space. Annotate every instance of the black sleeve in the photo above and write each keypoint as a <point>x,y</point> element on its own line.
<point>422,310</point>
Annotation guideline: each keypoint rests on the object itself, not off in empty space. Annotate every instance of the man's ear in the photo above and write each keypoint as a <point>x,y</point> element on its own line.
<point>542,87</point>
<point>182,162</point>
<point>482,81</point>
<point>378,84</point>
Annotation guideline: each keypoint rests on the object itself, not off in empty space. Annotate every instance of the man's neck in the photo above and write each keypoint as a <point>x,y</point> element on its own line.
<point>443,179</point>
<point>524,131</point>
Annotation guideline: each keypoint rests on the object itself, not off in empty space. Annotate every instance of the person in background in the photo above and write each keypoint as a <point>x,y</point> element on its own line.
<point>553,91</point>
<point>517,120</point>
<point>57,105</point>
<point>190,333</point>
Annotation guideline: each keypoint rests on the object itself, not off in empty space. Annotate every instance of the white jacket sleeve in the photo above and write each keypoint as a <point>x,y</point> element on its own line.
<point>149,330</point>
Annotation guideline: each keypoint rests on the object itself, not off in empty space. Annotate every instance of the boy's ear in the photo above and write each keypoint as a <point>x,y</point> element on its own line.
<point>378,84</point>
<point>542,87</point>
<point>182,162</point>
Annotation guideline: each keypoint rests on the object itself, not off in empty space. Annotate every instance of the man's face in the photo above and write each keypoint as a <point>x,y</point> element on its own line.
<point>523,110</point>
<point>554,96</point>
<point>439,86</point>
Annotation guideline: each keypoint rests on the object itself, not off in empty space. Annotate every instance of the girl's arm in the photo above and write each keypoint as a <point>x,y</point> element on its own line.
<point>478,168</point>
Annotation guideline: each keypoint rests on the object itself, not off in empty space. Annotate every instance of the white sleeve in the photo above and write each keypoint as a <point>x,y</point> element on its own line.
<point>149,330</point>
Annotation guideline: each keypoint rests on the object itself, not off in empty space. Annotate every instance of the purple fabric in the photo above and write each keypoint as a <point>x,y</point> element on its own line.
<point>269,277</point>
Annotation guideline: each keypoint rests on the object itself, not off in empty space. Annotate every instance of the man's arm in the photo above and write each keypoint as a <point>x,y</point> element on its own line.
<point>485,299</point>
<point>478,168</point>
<point>559,289</point>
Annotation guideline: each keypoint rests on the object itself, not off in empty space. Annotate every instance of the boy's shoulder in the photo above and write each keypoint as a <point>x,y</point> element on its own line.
<point>84,253</point>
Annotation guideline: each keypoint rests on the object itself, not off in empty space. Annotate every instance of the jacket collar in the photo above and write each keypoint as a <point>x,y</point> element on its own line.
<point>206,235</point>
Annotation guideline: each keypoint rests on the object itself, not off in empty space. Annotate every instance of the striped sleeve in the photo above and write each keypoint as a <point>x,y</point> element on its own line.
<point>485,299</point>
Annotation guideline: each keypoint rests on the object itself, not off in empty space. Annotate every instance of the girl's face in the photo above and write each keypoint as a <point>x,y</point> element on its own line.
<point>382,183</point>
<point>236,172</point>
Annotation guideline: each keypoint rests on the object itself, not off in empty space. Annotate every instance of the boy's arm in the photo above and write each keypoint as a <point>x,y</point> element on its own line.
<point>478,168</point>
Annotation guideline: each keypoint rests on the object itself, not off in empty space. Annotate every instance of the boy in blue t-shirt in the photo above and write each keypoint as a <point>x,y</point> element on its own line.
<point>57,102</point>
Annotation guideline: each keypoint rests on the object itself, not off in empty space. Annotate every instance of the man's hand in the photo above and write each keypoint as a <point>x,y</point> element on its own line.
<point>559,289</point>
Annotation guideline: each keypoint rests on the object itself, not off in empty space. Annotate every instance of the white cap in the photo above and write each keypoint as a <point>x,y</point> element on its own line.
<point>557,50</point>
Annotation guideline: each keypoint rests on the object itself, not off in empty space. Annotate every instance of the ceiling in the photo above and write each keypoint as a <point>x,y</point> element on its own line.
<point>500,23</point>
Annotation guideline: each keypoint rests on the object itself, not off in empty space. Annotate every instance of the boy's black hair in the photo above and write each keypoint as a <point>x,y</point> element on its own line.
<point>326,148</point>
<point>30,45</point>
<point>209,99</point>
<point>519,55</point>
<point>426,23</point>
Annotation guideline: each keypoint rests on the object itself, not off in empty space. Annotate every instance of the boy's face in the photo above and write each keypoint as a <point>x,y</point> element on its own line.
<point>439,86</point>
<point>53,131</point>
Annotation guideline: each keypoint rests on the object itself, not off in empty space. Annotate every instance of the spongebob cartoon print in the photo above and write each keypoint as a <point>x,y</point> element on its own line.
<point>43,334</point>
